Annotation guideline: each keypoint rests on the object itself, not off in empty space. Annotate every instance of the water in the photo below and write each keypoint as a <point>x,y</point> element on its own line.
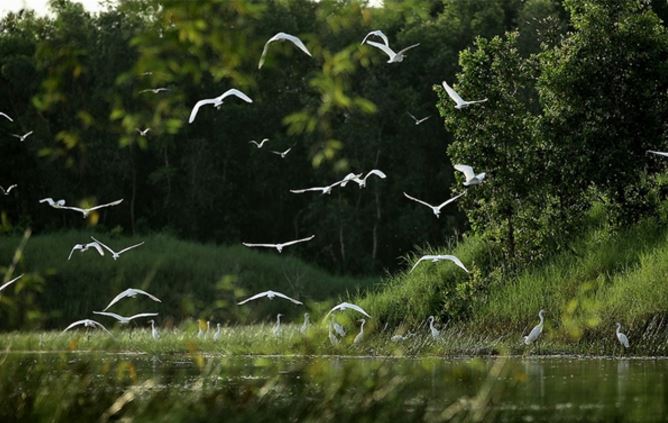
<point>195,387</point>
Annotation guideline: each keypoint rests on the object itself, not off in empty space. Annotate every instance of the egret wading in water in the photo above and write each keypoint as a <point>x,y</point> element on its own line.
<point>435,333</point>
<point>277,327</point>
<point>360,336</point>
<point>154,331</point>
<point>305,324</point>
<point>621,337</point>
<point>537,330</point>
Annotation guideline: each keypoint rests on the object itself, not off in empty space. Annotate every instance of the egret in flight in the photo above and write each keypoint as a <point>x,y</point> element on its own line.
<point>216,335</point>
<point>22,137</point>
<point>460,102</point>
<point>283,154</point>
<point>279,247</point>
<point>435,259</point>
<point>6,284</point>
<point>124,320</point>
<point>116,255</point>
<point>282,36</point>
<point>270,295</point>
<point>621,337</point>
<point>60,204</point>
<point>217,102</point>
<point>394,57</point>
<point>323,190</point>
<point>435,209</point>
<point>154,90</point>
<point>362,181</point>
<point>88,323</point>
<point>52,203</point>
<point>377,33</point>
<point>418,121</point>
<point>143,132</point>
<point>348,306</point>
<point>259,144</point>
<point>9,189</point>
<point>82,248</point>
<point>131,293</point>
<point>537,330</point>
<point>360,336</point>
<point>470,175</point>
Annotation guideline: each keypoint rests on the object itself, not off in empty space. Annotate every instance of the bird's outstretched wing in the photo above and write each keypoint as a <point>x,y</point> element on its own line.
<point>452,93</point>
<point>278,294</point>
<point>195,110</point>
<point>418,201</point>
<point>297,241</point>
<point>446,202</point>
<point>659,153</point>
<point>140,315</point>
<point>453,259</point>
<point>378,173</point>
<point>5,115</point>
<point>413,117</point>
<point>351,306</point>
<point>74,324</point>
<point>350,177</point>
<point>301,191</point>
<point>153,297</point>
<point>106,248</point>
<point>407,48</point>
<point>117,298</point>
<point>97,246</point>
<point>11,187</point>
<point>419,261</point>
<point>110,314</point>
<point>377,33</point>
<point>6,284</point>
<point>254,297</point>
<point>236,93</point>
<point>466,170</point>
<point>113,203</point>
<point>247,244</point>
<point>130,248</point>
<point>386,49</point>
<point>282,36</point>
<point>77,247</point>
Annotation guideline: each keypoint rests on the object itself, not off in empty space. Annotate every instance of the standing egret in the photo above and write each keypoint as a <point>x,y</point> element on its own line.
<point>435,333</point>
<point>621,337</point>
<point>537,330</point>
<point>305,324</point>
<point>470,175</point>
<point>461,103</point>
<point>277,327</point>
<point>271,295</point>
<point>435,259</point>
<point>116,255</point>
<point>360,336</point>
<point>208,328</point>
<point>282,36</point>
<point>216,336</point>
<point>154,331</point>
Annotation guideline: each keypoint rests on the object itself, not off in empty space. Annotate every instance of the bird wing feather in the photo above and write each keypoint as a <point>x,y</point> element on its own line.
<point>236,93</point>
<point>254,297</point>
<point>418,201</point>
<point>6,284</point>
<point>296,241</point>
<point>466,170</point>
<point>195,110</point>
<point>279,294</point>
<point>130,248</point>
<point>386,49</point>
<point>445,203</point>
<point>452,93</point>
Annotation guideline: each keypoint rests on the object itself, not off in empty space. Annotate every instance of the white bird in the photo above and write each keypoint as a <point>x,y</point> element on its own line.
<point>55,204</point>
<point>350,177</point>
<point>116,255</point>
<point>154,90</point>
<point>346,306</point>
<point>259,144</point>
<point>536,331</point>
<point>332,336</point>
<point>470,175</point>
<point>438,258</point>
<point>418,121</point>
<point>395,57</point>
<point>6,284</point>
<point>435,209</point>
<point>282,153</point>
<point>87,323</point>
<point>124,320</point>
<point>82,248</point>
<point>216,335</point>
<point>279,247</point>
<point>271,295</point>
<point>5,115</point>
<point>323,190</point>
<point>277,327</point>
<point>338,328</point>
<point>435,333</point>
<point>461,103</point>
<point>154,331</point>
<point>362,181</point>
<point>9,189</point>
<point>360,336</point>
<point>200,332</point>
<point>660,153</point>
<point>377,33</point>
<point>217,102</point>
<point>143,132</point>
<point>397,338</point>
<point>305,324</point>
<point>130,293</point>
<point>85,212</point>
<point>621,337</point>
<point>22,137</point>
<point>282,36</point>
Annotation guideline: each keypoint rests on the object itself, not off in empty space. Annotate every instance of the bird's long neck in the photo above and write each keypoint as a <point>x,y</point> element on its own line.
<point>618,328</point>
<point>362,327</point>
<point>431,324</point>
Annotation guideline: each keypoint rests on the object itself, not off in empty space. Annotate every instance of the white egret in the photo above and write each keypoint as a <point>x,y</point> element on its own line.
<point>6,116</point>
<point>350,177</point>
<point>362,181</point>
<point>200,331</point>
<point>305,325</point>
<point>435,209</point>
<point>131,293</point>
<point>360,336</point>
<point>282,153</point>
<point>9,189</point>
<point>155,90</point>
<point>282,36</point>
<point>22,137</point>
<point>217,102</point>
<point>435,333</point>
<point>116,255</point>
<point>6,284</point>
<point>124,320</point>
<point>270,295</point>
<point>394,57</point>
<point>143,132</point>
<point>435,259</point>
<point>259,144</point>
<point>418,121</point>
<point>279,247</point>
<point>60,204</point>
<point>537,330</point>
<point>332,336</point>
<point>470,175</point>
<point>88,323</point>
<point>461,103</point>
<point>277,327</point>
<point>348,306</point>
<point>621,337</point>
<point>82,248</point>
<point>659,153</point>
<point>154,331</point>
<point>216,335</point>
<point>51,202</point>
<point>323,190</point>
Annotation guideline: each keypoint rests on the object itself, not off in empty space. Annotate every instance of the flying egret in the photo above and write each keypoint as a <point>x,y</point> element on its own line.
<point>470,175</point>
<point>116,255</point>
<point>360,336</point>
<point>323,190</point>
<point>332,336</point>
<point>216,335</point>
<point>5,115</point>
<point>660,153</point>
<point>418,121</point>
<point>394,57</point>
<point>85,212</point>
<point>6,284</point>
<point>143,132</point>
<point>259,144</point>
<point>270,295</point>
<point>377,33</point>
<point>82,248</point>
<point>277,327</point>
<point>88,323</point>
<point>154,90</point>
<point>279,247</point>
<point>282,36</point>
<point>217,102</point>
<point>621,337</point>
<point>348,306</point>
<point>362,181</point>
<point>9,189</point>
<point>305,324</point>
<point>282,153</point>
<point>461,103</point>
<point>22,137</point>
<point>537,330</point>
<point>435,209</point>
<point>435,333</point>
<point>435,259</point>
<point>350,177</point>
<point>154,331</point>
<point>51,202</point>
<point>124,320</point>
<point>131,293</point>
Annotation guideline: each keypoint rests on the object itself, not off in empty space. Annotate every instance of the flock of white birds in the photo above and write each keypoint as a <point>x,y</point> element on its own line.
<point>471,178</point>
